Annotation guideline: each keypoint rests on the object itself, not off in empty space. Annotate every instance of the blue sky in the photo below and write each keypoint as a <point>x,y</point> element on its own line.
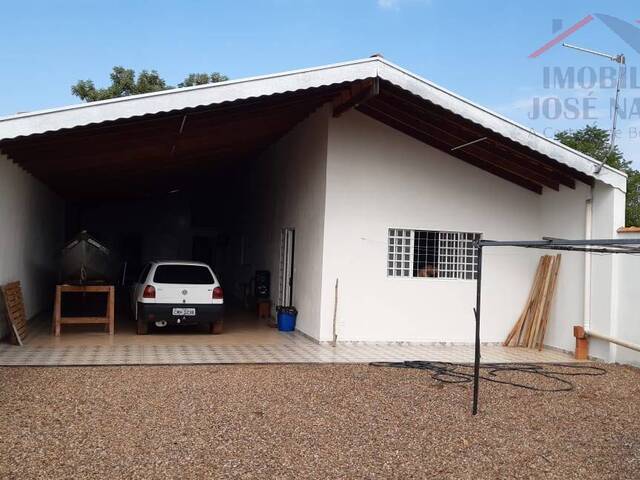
<point>477,48</point>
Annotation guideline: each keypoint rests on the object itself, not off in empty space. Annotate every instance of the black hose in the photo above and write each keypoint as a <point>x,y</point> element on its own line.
<point>447,372</point>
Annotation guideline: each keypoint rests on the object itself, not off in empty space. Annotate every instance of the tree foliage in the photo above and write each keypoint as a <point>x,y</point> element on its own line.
<point>202,78</point>
<point>595,142</point>
<point>124,83</point>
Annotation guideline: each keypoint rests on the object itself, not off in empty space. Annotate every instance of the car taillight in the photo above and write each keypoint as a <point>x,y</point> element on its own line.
<point>217,293</point>
<point>149,292</point>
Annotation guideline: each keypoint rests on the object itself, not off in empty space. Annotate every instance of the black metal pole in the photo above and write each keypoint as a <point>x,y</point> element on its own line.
<point>476,311</point>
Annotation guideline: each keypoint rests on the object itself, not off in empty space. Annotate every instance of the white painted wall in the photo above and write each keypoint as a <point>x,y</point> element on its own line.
<point>287,190</point>
<point>341,183</point>
<point>608,215</point>
<point>563,216</point>
<point>627,326</point>
<point>379,178</point>
<point>31,234</point>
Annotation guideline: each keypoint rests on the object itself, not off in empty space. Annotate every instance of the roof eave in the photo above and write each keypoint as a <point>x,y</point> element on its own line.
<point>502,125</point>
<point>211,94</point>
<point>83,114</point>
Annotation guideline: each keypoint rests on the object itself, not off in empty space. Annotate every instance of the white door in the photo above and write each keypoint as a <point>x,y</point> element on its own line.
<point>285,284</point>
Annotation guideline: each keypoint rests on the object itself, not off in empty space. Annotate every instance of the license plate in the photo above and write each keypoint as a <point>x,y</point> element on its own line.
<point>187,312</point>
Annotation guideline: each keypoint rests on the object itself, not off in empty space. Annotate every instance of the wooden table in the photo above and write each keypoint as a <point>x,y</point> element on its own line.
<point>107,321</point>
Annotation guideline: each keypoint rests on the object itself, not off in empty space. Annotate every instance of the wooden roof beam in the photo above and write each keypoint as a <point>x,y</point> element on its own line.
<point>130,136</point>
<point>241,107</point>
<point>355,96</point>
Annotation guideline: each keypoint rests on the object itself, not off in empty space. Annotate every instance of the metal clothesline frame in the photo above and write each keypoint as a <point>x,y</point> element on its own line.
<point>628,246</point>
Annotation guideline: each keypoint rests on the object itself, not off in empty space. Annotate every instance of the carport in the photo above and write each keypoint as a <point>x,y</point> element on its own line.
<point>168,184</point>
<point>161,153</point>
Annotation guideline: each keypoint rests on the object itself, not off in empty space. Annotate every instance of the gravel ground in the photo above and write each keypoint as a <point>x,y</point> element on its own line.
<point>309,421</point>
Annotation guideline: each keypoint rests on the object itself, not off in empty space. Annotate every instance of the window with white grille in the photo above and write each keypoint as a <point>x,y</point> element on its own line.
<point>434,254</point>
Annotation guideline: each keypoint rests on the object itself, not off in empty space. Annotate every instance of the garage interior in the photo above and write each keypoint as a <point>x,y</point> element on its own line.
<point>171,185</point>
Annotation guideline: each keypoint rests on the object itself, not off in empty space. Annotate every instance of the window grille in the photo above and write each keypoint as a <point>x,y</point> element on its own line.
<point>434,254</point>
<point>400,254</point>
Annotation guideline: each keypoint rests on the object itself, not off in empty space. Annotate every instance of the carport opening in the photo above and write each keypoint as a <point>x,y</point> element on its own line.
<point>194,225</point>
<point>210,222</point>
<point>182,185</point>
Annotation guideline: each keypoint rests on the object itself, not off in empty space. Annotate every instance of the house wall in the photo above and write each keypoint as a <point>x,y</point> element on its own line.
<point>379,178</point>
<point>608,215</point>
<point>627,327</point>
<point>31,234</point>
<point>563,215</point>
<point>286,189</point>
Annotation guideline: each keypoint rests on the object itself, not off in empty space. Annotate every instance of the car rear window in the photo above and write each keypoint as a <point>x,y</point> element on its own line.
<point>193,274</point>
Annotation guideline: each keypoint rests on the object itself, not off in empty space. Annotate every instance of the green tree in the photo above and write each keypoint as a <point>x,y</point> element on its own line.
<point>124,83</point>
<point>595,142</point>
<point>202,78</point>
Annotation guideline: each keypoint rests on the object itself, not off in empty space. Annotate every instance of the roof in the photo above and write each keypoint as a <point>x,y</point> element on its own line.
<point>406,101</point>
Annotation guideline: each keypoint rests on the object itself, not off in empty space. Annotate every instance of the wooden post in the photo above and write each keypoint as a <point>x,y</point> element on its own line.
<point>582,343</point>
<point>111,309</point>
<point>56,311</point>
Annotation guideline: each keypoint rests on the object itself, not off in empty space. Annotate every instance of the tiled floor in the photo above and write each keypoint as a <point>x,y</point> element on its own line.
<point>245,341</point>
<point>240,328</point>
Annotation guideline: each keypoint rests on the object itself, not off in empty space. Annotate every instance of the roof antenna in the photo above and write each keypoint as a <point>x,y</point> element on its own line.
<point>620,60</point>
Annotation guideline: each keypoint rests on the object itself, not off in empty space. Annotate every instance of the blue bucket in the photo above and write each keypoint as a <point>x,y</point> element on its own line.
<point>286,322</point>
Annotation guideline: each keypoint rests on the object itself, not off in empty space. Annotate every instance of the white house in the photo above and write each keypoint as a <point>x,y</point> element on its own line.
<point>359,173</point>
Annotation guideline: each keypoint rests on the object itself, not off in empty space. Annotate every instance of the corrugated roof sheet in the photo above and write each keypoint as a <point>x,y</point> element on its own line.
<point>39,122</point>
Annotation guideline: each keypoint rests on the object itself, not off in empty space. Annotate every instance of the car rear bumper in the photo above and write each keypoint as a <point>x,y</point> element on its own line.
<point>157,312</point>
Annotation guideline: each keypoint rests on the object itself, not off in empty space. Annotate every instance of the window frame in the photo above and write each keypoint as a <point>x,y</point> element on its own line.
<point>176,266</point>
<point>412,248</point>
